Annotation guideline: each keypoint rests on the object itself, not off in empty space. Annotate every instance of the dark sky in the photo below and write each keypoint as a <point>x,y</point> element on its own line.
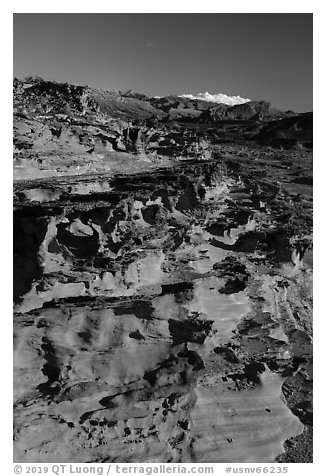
<point>257,56</point>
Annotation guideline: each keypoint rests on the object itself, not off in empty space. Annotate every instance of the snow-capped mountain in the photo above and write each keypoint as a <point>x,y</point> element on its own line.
<point>219,98</point>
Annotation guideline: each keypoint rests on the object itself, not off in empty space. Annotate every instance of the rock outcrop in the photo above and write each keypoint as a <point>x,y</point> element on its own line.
<point>163,316</point>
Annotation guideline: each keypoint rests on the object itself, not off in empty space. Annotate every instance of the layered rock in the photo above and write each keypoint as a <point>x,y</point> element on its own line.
<point>161,317</point>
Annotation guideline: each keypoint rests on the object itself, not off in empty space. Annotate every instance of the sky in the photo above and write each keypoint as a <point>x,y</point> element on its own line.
<point>258,56</point>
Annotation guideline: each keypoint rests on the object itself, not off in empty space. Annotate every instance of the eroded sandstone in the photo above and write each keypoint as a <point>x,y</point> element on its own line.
<point>161,317</point>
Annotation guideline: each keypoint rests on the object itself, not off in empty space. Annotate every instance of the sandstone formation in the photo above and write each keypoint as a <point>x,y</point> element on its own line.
<point>162,291</point>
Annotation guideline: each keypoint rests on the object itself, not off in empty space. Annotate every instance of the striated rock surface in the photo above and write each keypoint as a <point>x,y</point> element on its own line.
<point>163,316</point>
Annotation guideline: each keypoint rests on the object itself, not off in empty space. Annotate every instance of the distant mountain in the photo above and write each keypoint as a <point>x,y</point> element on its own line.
<point>40,96</point>
<point>219,98</point>
<point>253,110</point>
<point>49,102</point>
<point>177,107</point>
<point>288,131</point>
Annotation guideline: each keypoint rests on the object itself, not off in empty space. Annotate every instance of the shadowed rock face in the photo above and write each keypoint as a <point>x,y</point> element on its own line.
<point>163,316</point>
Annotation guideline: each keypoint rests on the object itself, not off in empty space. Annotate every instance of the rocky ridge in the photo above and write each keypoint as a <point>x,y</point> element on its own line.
<point>75,129</point>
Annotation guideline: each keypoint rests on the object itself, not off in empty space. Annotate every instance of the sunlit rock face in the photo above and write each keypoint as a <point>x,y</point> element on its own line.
<point>242,427</point>
<point>162,317</point>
